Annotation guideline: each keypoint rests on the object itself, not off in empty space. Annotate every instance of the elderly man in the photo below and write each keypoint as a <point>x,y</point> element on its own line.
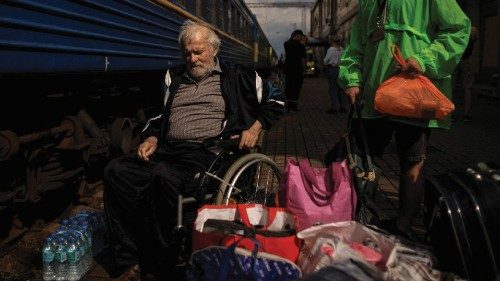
<point>204,99</point>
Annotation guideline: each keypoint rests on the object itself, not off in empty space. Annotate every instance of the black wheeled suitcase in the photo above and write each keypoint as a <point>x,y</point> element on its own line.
<point>463,220</point>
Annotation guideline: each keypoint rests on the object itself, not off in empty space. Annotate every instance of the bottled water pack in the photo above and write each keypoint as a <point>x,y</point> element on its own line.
<point>68,252</point>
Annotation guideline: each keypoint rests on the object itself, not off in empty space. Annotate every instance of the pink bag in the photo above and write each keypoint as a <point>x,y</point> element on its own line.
<point>317,195</point>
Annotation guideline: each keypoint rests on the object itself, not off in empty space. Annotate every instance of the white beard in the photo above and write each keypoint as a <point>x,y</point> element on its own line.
<point>200,71</point>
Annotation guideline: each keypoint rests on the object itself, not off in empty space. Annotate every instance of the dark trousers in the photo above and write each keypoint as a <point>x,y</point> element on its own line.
<point>141,201</point>
<point>293,84</point>
<point>338,100</point>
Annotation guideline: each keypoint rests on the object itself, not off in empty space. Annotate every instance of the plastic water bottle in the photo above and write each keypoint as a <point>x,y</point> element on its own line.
<point>74,260</point>
<point>60,232</point>
<point>48,254</point>
<point>74,221</point>
<point>65,224</point>
<point>61,259</point>
<point>86,255</point>
<point>84,246</point>
<point>95,224</point>
<point>88,242</point>
<point>88,232</point>
<point>84,218</point>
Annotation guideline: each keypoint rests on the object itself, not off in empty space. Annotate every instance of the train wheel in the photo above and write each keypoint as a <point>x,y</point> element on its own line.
<point>122,135</point>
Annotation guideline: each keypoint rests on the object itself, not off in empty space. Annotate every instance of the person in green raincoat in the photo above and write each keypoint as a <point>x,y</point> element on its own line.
<point>432,35</point>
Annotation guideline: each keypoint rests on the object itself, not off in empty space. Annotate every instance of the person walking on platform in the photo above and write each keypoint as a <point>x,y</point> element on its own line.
<point>295,62</point>
<point>203,99</point>
<point>432,35</point>
<point>338,101</point>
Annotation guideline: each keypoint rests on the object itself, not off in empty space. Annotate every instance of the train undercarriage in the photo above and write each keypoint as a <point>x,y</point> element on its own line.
<point>56,141</point>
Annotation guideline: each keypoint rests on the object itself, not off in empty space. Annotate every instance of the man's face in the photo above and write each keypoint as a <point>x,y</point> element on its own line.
<point>199,56</point>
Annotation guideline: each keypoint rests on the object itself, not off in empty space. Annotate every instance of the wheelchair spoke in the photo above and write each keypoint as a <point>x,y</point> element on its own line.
<point>255,185</point>
<point>254,178</point>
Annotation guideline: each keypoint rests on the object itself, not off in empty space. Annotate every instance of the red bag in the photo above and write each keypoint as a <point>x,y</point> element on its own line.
<point>415,97</point>
<point>273,227</point>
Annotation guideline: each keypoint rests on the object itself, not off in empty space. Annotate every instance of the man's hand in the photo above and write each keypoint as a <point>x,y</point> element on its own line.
<point>147,148</point>
<point>412,67</point>
<point>352,93</point>
<point>250,137</point>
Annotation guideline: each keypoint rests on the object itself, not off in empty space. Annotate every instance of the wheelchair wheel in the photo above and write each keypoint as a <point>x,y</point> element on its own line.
<point>254,178</point>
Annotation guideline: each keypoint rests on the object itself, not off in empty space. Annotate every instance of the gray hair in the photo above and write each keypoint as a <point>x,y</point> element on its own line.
<point>189,28</point>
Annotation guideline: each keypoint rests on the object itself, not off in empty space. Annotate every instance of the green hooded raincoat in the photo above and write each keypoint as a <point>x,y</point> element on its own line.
<point>434,32</point>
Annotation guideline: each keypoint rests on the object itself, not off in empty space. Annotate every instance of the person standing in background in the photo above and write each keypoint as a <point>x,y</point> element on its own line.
<point>432,36</point>
<point>295,61</point>
<point>280,71</point>
<point>338,101</point>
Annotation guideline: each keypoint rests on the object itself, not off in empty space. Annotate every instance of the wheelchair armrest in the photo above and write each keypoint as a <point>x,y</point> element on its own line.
<point>223,143</point>
<point>216,146</point>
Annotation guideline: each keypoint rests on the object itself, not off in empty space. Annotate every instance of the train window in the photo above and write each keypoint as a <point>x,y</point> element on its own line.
<point>225,17</point>
<point>208,11</point>
<point>245,32</point>
<point>215,13</point>
<point>248,32</point>
<point>242,25</point>
<point>232,20</point>
<point>199,8</point>
<point>238,25</point>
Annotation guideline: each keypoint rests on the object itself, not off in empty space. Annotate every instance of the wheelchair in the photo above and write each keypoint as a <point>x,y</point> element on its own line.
<point>236,176</point>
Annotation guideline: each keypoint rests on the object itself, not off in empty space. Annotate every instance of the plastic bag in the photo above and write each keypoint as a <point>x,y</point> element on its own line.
<point>411,96</point>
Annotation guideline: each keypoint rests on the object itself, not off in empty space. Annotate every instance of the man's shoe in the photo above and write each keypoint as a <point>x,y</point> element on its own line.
<point>332,111</point>
<point>467,118</point>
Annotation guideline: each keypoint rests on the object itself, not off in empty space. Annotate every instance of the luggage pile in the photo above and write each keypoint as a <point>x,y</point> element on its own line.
<point>255,242</point>
<point>317,233</point>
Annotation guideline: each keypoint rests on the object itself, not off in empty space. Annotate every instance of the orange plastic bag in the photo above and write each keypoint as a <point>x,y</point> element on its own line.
<point>415,97</point>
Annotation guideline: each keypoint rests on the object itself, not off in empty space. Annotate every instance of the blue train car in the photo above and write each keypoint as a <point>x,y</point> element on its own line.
<point>83,76</point>
<point>118,35</point>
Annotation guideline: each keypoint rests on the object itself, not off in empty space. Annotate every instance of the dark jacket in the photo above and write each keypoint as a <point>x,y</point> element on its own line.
<point>295,52</point>
<point>241,100</point>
